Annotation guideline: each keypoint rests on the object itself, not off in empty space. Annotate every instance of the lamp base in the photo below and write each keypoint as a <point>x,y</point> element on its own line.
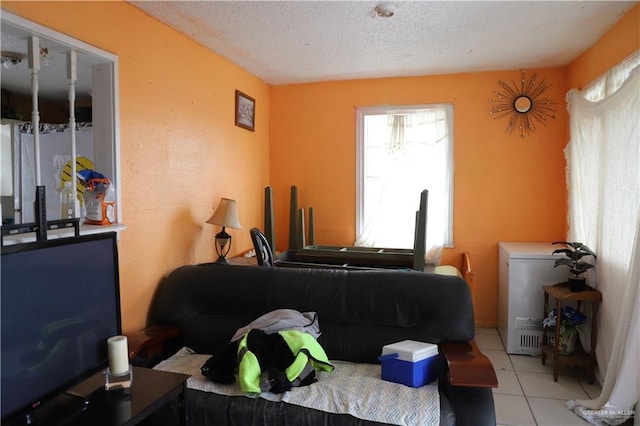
<point>223,245</point>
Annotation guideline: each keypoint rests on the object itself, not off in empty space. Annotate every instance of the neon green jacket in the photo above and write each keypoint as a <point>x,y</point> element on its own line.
<point>309,358</point>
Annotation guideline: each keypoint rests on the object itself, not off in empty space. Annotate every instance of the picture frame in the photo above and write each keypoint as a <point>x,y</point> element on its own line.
<point>245,111</point>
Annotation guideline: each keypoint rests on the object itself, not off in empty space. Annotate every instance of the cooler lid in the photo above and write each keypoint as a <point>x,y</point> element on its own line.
<point>530,250</point>
<point>411,350</point>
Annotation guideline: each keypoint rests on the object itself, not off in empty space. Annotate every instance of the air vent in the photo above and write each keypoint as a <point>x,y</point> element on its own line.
<point>529,342</point>
<point>528,335</point>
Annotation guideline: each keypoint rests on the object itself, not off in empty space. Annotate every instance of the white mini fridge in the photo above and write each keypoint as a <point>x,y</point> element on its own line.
<point>522,271</point>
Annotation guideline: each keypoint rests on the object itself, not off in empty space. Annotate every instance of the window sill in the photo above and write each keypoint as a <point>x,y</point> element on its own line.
<point>63,233</point>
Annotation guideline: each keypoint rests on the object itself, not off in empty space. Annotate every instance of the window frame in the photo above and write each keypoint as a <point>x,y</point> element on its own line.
<point>361,113</point>
<point>105,104</point>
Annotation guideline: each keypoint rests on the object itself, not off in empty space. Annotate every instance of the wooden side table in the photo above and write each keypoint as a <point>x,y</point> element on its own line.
<point>150,390</point>
<point>243,261</point>
<point>561,293</point>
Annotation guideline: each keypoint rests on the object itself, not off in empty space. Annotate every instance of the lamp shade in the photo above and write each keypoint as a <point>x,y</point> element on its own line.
<point>226,214</point>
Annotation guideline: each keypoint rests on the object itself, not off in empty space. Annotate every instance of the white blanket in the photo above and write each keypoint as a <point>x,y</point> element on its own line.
<point>351,388</point>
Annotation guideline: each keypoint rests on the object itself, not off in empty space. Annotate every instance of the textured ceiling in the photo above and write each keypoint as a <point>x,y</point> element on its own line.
<point>285,42</point>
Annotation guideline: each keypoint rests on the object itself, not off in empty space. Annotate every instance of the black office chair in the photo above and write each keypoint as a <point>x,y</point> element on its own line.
<point>264,255</point>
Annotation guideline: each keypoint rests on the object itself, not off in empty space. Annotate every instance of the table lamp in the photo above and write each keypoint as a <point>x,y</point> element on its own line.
<point>225,215</point>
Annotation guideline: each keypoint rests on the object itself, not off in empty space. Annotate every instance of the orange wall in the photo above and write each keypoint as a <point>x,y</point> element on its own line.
<point>506,188</point>
<point>617,44</point>
<point>180,150</point>
<point>176,122</point>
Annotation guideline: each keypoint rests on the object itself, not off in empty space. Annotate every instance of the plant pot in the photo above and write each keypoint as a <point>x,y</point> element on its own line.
<point>577,284</point>
<point>567,341</point>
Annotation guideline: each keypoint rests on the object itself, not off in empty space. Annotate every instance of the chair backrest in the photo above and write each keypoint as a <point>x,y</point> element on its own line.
<point>264,255</point>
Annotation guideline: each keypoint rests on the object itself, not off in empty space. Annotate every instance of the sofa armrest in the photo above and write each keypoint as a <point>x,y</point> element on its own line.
<point>151,341</point>
<point>468,366</point>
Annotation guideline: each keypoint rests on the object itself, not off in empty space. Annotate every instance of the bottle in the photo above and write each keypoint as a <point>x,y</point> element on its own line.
<point>67,202</point>
<point>100,202</point>
<point>110,205</point>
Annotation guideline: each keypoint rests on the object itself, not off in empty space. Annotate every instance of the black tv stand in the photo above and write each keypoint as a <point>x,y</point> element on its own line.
<point>62,409</point>
<point>88,403</point>
<point>150,390</point>
<point>59,410</point>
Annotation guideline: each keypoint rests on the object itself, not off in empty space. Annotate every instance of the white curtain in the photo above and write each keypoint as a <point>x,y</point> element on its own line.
<point>407,153</point>
<point>603,161</point>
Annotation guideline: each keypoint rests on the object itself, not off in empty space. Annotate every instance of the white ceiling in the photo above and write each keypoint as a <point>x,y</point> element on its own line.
<point>52,77</point>
<point>284,42</point>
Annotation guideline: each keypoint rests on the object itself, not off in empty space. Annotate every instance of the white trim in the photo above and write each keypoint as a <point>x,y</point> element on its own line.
<point>361,112</point>
<point>451,167</point>
<point>70,42</point>
<point>110,84</point>
<point>116,135</point>
<point>30,237</point>
<point>400,109</point>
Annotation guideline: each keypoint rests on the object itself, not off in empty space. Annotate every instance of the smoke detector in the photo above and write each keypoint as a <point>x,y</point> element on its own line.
<point>384,10</point>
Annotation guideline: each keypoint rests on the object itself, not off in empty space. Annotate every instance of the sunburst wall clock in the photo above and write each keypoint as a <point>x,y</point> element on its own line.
<point>522,104</point>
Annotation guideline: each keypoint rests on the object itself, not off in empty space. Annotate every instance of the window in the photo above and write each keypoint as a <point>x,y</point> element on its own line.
<point>96,85</point>
<point>402,151</point>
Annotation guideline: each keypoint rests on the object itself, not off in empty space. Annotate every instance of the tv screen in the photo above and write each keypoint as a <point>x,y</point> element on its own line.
<point>60,303</point>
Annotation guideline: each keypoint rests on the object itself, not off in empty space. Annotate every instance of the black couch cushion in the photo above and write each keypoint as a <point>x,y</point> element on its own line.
<point>359,311</point>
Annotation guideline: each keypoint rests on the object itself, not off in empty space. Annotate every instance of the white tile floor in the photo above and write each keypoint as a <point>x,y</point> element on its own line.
<point>526,393</point>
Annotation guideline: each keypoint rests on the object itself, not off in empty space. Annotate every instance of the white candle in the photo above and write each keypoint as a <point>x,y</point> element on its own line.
<point>118,355</point>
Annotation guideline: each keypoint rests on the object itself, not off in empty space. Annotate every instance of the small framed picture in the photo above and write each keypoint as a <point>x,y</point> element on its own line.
<point>245,111</point>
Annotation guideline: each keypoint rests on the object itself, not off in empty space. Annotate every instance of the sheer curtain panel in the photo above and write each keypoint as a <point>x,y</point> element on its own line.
<point>603,175</point>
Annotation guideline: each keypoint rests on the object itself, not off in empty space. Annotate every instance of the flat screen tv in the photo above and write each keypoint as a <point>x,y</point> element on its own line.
<point>60,303</point>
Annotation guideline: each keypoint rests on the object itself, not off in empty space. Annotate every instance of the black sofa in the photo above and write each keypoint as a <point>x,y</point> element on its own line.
<point>359,312</point>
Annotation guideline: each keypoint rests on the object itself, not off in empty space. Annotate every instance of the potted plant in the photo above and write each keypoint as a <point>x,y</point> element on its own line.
<point>571,321</point>
<point>574,252</point>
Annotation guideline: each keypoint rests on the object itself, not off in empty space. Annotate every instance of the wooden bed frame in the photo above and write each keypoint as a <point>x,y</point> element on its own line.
<point>371,257</point>
<point>301,254</point>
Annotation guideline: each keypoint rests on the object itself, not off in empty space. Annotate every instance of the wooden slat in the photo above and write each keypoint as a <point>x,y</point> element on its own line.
<point>468,366</point>
<point>301,242</point>
<point>328,248</point>
<point>293,219</point>
<point>269,225</point>
<point>390,260</point>
<point>561,291</point>
<point>312,227</point>
<point>420,234</point>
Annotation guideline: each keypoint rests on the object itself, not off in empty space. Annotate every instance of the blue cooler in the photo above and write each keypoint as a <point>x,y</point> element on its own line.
<point>409,362</point>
